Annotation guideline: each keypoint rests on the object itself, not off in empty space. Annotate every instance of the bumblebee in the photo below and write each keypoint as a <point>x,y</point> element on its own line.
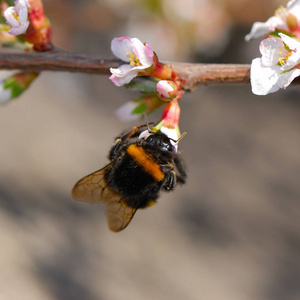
<point>142,163</point>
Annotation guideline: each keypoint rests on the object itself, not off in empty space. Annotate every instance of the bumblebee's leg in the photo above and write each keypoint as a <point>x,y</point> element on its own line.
<point>121,139</point>
<point>182,174</point>
<point>170,181</point>
<point>127,135</point>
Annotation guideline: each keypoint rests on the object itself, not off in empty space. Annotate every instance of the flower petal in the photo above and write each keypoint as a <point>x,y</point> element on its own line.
<point>144,134</point>
<point>264,79</point>
<point>22,11</point>
<point>171,133</point>
<point>258,29</point>
<point>123,75</point>
<point>270,49</point>
<point>262,28</point>
<point>5,94</point>
<point>19,30</point>
<point>120,47</point>
<point>286,78</point>
<point>142,52</point>
<point>124,112</point>
<point>9,16</point>
<point>294,45</point>
<point>291,42</point>
<point>293,7</point>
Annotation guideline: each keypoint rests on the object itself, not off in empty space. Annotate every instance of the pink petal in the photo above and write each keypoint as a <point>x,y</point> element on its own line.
<point>19,30</point>
<point>142,53</point>
<point>123,75</point>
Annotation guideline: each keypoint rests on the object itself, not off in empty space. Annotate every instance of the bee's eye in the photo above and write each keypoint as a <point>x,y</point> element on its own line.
<point>151,140</point>
<point>166,147</point>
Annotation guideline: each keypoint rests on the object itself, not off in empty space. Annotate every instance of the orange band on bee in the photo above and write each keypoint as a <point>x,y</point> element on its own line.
<point>150,166</point>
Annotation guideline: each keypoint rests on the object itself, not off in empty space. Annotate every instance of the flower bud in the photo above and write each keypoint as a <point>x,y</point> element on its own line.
<point>14,86</point>
<point>39,32</point>
<point>138,108</point>
<point>166,90</point>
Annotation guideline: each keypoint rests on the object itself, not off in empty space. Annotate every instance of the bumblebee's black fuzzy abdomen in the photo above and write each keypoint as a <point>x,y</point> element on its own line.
<point>135,184</point>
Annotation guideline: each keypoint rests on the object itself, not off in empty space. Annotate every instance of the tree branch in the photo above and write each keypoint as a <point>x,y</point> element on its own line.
<point>63,61</point>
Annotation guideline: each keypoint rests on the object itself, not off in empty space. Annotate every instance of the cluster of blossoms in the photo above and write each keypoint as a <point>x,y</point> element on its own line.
<point>279,64</point>
<point>157,82</point>
<point>27,20</point>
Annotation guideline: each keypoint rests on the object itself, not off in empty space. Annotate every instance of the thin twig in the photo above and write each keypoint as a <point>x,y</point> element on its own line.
<point>63,61</point>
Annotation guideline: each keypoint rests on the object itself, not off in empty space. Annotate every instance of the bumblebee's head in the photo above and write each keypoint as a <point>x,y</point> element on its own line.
<point>161,142</point>
<point>158,142</point>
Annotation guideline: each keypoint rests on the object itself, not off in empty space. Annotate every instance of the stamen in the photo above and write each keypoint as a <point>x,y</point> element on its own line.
<point>134,60</point>
<point>280,12</point>
<point>286,54</point>
<point>16,16</point>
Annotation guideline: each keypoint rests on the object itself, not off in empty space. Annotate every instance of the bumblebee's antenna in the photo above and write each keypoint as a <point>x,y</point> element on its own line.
<point>179,139</point>
<point>147,123</point>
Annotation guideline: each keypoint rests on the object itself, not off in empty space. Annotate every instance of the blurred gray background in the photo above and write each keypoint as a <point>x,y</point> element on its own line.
<point>232,232</point>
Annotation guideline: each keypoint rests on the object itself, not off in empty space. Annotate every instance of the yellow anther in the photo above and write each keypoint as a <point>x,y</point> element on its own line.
<point>280,12</point>
<point>16,16</point>
<point>283,59</point>
<point>134,60</point>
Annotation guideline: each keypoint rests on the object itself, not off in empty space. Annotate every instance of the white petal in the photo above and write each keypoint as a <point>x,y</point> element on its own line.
<point>293,7</point>
<point>19,29</point>
<point>121,71</point>
<point>258,29</point>
<point>171,133</point>
<point>286,78</point>
<point>276,22</point>
<point>291,42</point>
<point>264,79</point>
<point>124,112</point>
<point>121,46</point>
<point>9,16</point>
<point>270,49</point>
<point>144,134</point>
<point>142,52</point>
<point>123,75</point>
<point>5,94</point>
<point>23,11</point>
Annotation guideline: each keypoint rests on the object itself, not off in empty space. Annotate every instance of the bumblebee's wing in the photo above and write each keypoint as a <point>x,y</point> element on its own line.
<point>94,188</point>
<point>119,214</point>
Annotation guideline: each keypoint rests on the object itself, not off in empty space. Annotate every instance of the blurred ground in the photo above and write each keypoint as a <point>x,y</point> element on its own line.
<point>232,232</point>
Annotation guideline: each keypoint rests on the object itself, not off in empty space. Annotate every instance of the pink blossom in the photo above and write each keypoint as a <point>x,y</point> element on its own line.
<point>17,17</point>
<point>139,56</point>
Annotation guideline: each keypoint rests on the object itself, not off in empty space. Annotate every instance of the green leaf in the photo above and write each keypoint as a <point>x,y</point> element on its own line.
<point>17,91</point>
<point>143,84</point>
<point>9,82</point>
<point>140,109</point>
<point>9,2</point>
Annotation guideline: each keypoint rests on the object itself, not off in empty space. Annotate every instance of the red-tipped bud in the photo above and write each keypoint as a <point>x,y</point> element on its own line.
<point>39,32</point>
